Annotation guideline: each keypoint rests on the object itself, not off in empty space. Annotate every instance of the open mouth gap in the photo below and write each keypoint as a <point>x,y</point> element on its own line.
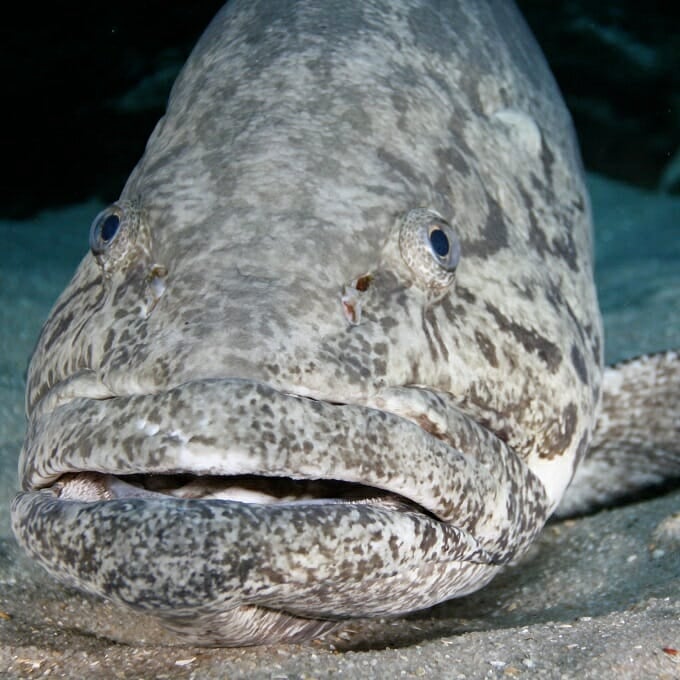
<point>236,488</point>
<point>252,488</point>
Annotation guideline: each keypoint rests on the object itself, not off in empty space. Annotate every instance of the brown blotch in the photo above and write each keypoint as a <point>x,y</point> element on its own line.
<point>205,440</point>
<point>487,347</point>
<point>465,294</point>
<point>563,432</point>
<point>579,364</point>
<point>58,330</point>
<point>429,539</point>
<point>494,235</point>
<point>431,428</point>
<point>363,282</point>
<point>430,321</point>
<point>532,341</point>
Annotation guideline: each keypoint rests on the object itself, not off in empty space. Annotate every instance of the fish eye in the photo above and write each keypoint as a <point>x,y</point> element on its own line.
<point>430,247</point>
<point>105,227</point>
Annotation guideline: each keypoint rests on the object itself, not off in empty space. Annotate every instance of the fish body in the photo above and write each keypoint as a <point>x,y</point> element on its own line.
<point>336,350</point>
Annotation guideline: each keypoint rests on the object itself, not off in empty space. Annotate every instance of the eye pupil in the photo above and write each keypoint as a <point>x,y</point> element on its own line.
<point>105,228</point>
<point>440,242</point>
<point>109,228</point>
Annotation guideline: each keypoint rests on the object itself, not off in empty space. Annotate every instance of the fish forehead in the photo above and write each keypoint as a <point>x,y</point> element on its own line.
<point>295,137</point>
<point>286,117</point>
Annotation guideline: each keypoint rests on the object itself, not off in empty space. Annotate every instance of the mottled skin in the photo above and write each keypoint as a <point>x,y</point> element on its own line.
<point>209,336</point>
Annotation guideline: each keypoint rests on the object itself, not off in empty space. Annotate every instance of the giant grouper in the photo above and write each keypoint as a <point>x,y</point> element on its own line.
<point>336,350</point>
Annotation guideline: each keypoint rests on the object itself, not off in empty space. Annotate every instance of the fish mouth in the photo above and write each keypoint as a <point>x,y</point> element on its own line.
<point>246,441</point>
<point>224,493</point>
<point>255,489</point>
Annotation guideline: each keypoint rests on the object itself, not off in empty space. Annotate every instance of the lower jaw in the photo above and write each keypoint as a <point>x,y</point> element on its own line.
<point>191,561</point>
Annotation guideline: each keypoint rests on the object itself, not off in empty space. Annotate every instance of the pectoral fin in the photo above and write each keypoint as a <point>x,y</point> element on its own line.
<point>636,444</point>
